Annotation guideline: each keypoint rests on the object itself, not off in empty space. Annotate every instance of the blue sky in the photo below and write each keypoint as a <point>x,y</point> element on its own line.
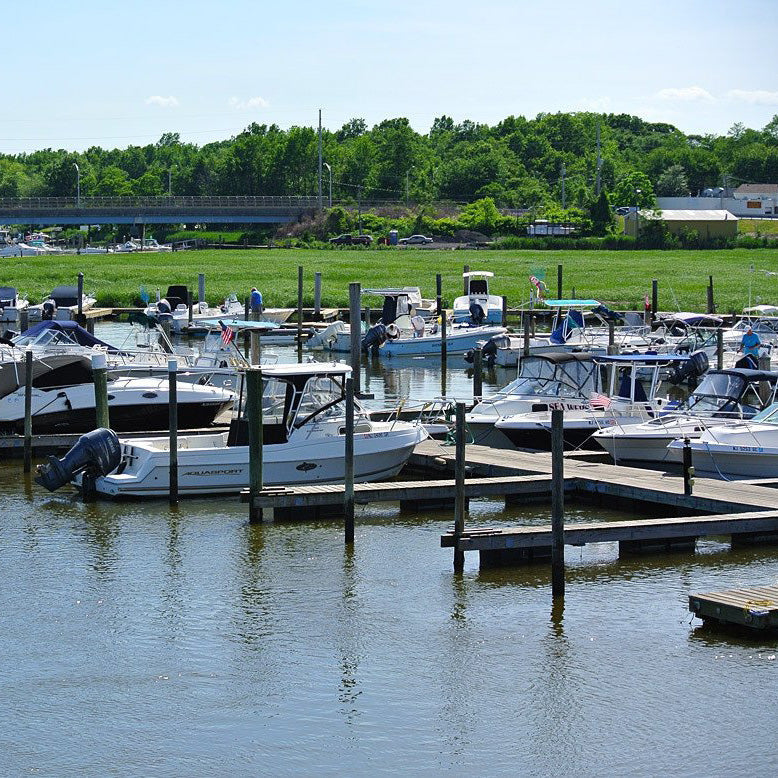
<point>111,74</point>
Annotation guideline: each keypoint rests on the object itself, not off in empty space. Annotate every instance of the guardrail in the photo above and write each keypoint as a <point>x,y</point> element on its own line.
<point>220,201</point>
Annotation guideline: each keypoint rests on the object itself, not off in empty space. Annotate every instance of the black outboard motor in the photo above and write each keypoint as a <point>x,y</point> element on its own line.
<point>163,306</point>
<point>98,453</point>
<point>374,338</point>
<point>489,349</point>
<point>49,312</point>
<point>747,362</point>
<point>477,314</point>
<point>691,370</point>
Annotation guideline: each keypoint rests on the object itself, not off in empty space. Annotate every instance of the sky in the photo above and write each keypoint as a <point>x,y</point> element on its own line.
<point>117,74</point>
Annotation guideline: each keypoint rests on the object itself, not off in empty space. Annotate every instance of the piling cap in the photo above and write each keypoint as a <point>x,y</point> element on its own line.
<point>99,362</point>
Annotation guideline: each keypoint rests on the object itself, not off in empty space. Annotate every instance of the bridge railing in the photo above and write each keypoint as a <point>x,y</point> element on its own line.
<point>218,201</point>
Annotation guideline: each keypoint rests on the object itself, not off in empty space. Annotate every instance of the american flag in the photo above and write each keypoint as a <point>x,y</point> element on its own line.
<point>599,401</point>
<point>228,334</point>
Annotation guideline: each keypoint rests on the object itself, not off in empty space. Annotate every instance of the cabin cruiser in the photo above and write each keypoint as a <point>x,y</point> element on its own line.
<point>63,401</point>
<point>61,304</point>
<point>627,401</point>
<point>478,306</point>
<point>303,442</point>
<point>743,449</point>
<point>546,381</point>
<point>722,395</point>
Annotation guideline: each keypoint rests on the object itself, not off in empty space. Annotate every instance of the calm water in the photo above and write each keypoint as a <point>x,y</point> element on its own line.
<point>143,640</point>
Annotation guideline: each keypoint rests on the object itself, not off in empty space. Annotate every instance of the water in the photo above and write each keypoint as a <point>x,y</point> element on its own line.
<point>144,640</point>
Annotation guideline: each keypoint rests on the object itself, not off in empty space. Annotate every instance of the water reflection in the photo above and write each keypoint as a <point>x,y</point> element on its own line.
<point>348,639</point>
<point>254,601</point>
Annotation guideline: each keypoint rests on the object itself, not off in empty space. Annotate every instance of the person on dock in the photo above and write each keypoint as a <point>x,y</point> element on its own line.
<point>256,300</point>
<point>749,345</point>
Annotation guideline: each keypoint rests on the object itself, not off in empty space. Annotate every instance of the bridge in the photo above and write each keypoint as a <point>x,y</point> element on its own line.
<point>237,209</point>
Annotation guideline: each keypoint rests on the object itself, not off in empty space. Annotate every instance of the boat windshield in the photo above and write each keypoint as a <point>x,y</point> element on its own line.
<point>722,392</point>
<point>563,379</point>
<point>45,338</point>
<point>768,416</point>
<point>322,397</point>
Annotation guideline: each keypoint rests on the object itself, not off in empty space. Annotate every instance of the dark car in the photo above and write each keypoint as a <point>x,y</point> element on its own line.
<point>415,239</point>
<point>352,240</point>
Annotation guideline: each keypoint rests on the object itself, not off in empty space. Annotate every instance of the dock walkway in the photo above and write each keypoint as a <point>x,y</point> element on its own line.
<point>755,607</point>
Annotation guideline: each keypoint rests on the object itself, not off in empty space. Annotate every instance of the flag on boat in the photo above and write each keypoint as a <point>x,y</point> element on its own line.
<point>599,401</point>
<point>228,334</point>
<point>647,303</point>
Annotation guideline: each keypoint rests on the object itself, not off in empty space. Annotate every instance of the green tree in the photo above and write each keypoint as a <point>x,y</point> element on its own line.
<point>601,214</point>
<point>634,189</point>
<point>673,182</point>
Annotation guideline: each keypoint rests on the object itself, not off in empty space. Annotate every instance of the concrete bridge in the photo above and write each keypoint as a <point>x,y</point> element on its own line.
<point>155,210</point>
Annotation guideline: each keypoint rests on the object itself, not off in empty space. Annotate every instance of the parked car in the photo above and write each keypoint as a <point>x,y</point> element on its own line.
<point>624,210</point>
<point>415,239</point>
<point>352,240</point>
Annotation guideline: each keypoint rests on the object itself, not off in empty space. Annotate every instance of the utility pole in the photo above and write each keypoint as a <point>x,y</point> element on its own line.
<point>359,208</point>
<point>564,200</point>
<point>320,162</point>
<point>599,163</point>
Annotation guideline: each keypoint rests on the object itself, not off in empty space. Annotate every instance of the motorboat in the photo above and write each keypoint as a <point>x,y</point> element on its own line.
<point>303,428</point>
<point>630,399</point>
<point>11,305</point>
<point>402,331</point>
<point>147,244</point>
<point>722,395</point>
<point>62,304</point>
<point>546,381</point>
<point>766,327</point>
<point>63,401</point>
<point>478,306</point>
<point>744,449</point>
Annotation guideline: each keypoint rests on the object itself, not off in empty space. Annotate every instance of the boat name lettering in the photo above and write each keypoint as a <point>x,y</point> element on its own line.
<point>233,471</point>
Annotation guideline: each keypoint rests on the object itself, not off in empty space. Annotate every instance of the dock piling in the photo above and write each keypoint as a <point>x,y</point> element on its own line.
<point>100,378</point>
<point>504,319</point>
<point>559,282</point>
<point>189,306</point>
<point>688,470</point>
<point>478,377</point>
<point>719,349</point>
<point>201,287</point>
<point>354,311</point>
<point>299,313</point>
<point>256,353</point>
<point>557,505</point>
<point>28,410</point>
<point>24,320</point>
<point>654,298</point>
<point>526,316</point>
<point>348,494</point>
<point>316,295</point>
<point>711,304</point>
<point>172,370</point>
<point>254,414</point>
<point>465,281</point>
<point>459,495</point>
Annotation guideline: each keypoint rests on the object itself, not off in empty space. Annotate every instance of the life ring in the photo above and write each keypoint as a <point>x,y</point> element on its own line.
<point>392,332</point>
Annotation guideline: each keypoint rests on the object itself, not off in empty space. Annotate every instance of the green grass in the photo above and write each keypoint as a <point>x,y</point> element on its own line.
<point>618,278</point>
<point>757,227</point>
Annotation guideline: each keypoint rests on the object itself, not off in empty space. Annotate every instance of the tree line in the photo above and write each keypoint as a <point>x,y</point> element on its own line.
<point>518,163</point>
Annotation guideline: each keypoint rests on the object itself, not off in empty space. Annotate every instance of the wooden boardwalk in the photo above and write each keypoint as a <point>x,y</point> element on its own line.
<point>755,607</point>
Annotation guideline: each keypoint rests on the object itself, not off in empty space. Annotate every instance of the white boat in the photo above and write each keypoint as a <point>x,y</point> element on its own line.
<point>722,395</point>
<point>478,306</point>
<point>133,403</point>
<point>555,380</point>
<point>148,244</point>
<point>61,304</point>
<point>627,401</point>
<point>11,305</point>
<point>745,449</point>
<point>303,435</point>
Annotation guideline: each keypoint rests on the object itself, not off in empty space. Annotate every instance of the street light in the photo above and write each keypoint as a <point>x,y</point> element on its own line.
<point>329,170</point>
<point>78,186</point>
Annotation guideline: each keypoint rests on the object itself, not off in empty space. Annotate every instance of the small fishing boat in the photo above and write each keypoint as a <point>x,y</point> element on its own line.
<point>303,435</point>
<point>11,305</point>
<point>478,306</point>
<point>61,304</point>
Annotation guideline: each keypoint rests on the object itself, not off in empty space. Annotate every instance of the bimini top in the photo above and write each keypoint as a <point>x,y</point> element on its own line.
<point>560,357</point>
<point>478,274</point>
<point>647,359</point>
<point>763,310</point>
<point>306,369</point>
<point>571,303</point>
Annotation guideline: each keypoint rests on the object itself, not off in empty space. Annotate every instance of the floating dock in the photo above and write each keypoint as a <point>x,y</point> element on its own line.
<point>754,608</point>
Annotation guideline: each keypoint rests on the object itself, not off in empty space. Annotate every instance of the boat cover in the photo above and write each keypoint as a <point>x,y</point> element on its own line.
<point>72,330</point>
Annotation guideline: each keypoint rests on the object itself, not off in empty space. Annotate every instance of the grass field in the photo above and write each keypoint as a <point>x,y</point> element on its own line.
<point>618,278</point>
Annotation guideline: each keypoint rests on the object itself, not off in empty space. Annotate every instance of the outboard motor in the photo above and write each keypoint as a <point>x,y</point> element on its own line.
<point>97,452</point>
<point>489,349</point>
<point>747,362</point>
<point>477,314</point>
<point>374,338</point>
<point>691,370</point>
<point>49,312</point>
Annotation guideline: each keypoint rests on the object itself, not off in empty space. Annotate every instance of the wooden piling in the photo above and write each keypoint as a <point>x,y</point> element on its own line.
<point>611,333</point>
<point>526,316</point>
<point>201,287</point>
<point>763,363</point>
<point>654,298</point>
<point>172,370</point>
<point>254,418</point>
<point>255,348</point>
<point>348,494</point>
<point>504,311</point>
<point>189,306</point>
<point>355,308</point>
<point>28,410</point>
<point>299,313</point>
<point>459,495</point>
<point>100,377</point>
<point>719,349</point>
<point>24,320</point>
<point>688,470</point>
<point>317,294</point>
<point>247,308</point>
<point>80,302</point>
<point>559,282</point>
<point>557,505</point>
<point>711,305</point>
<point>465,281</point>
<point>478,378</point>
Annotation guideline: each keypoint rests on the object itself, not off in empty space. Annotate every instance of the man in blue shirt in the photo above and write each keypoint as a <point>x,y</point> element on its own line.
<point>750,343</point>
<point>256,300</point>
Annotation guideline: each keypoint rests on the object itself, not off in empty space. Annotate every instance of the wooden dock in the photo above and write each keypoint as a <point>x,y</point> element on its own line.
<point>754,608</point>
